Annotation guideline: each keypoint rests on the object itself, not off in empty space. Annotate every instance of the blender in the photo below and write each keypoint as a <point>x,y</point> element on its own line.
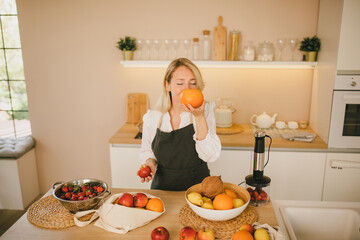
<point>257,184</point>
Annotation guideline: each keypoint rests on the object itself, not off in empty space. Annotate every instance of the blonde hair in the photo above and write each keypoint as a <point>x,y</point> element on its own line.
<point>164,102</point>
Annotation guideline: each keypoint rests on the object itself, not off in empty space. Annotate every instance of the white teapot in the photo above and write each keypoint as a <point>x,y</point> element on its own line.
<point>263,120</point>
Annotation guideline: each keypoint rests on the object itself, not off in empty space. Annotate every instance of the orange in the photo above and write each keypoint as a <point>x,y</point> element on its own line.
<point>155,204</point>
<point>222,202</point>
<point>242,235</point>
<point>231,194</point>
<point>194,97</point>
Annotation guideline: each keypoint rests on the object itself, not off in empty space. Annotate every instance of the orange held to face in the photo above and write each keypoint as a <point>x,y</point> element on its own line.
<point>194,97</point>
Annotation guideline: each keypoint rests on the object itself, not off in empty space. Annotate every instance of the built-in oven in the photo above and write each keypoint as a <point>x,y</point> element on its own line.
<point>345,113</point>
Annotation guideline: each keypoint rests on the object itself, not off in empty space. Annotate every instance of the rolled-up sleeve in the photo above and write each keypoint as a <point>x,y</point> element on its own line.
<point>209,149</point>
<point>147,138</point>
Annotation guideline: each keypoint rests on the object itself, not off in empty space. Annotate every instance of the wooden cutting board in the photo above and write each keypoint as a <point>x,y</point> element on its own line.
<point>137,105</point>
<point>219,41</point>
<point>234,129</point>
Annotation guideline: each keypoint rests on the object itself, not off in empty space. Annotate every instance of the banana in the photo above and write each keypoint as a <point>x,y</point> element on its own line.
<point>195,198</point>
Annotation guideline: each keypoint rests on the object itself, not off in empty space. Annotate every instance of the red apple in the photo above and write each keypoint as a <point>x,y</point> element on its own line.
<point>144,171</point>
<point>206,234</point>
<point>126,200</point>
<point>247,227</point>
<point>140,200</point>
<point>187,233</point>
<point>160,233</point>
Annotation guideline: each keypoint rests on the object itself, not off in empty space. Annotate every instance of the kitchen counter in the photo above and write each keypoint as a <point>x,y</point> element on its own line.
<point>125,135</point>
<point>173,201</point>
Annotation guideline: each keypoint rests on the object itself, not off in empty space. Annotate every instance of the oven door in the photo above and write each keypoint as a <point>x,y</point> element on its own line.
<point>345,120</point>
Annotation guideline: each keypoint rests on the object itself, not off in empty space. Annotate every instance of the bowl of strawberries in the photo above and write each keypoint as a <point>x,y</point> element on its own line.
<point>81,194</point>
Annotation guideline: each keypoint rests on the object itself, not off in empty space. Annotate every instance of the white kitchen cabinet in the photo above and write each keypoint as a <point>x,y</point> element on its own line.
<point>349,47</point>
<point>233,166</point>
<point>342,177</point>
<point>125,163</point>
<point>296,175</point>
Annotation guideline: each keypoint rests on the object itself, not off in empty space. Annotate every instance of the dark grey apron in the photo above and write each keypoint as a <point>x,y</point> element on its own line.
<point>179,166</point>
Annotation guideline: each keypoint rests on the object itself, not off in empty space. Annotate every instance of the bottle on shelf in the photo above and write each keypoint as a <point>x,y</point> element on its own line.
<point>206,49</point>
<point>196,49</point>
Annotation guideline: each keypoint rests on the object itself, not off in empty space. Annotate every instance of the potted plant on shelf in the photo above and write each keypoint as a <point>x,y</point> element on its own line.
<point>311,47</point>
<point>127,45</point>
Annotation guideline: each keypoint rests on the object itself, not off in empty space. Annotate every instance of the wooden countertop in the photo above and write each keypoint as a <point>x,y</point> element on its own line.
<point>126,134</point>
<point>173,201</point>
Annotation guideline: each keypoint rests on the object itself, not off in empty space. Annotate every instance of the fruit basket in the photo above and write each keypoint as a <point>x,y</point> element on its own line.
<point>220,215</point>
<point>92,194</point>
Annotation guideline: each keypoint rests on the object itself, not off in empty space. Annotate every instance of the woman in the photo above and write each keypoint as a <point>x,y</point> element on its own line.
<point>179,140</point>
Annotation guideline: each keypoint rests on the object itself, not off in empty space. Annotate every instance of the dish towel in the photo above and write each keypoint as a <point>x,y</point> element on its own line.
<point>117,218</point>
<point>302,136</point>
<point>274,232</point>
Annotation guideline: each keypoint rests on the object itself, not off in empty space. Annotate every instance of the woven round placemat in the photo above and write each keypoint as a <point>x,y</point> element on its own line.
<point>48,212</point>
<point>221,229</point>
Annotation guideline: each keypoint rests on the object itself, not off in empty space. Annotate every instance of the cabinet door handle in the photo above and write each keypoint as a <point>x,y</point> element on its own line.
<point>340,164</point>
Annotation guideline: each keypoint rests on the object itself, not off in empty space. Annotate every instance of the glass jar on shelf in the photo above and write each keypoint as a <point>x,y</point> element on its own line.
<point>265,52</point>
<point>234,42</point>
<point>206,45</point>
<point>196,49</point>
<point>249,52</point>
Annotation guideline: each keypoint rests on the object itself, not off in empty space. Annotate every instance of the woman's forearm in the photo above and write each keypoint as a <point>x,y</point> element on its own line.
<point>201,127</point>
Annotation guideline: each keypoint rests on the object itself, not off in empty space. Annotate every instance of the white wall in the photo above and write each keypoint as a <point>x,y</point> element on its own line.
<point>76,86</point>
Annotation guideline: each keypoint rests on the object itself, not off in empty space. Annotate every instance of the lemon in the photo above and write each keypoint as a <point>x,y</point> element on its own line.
<point>237,202</point>
<point>206,199</point>
<point>207,205</point>
<point>195,198</point>
<point>261,234</point>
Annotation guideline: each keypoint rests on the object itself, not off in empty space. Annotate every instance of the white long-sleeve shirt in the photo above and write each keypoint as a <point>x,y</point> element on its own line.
<point>208,149</point>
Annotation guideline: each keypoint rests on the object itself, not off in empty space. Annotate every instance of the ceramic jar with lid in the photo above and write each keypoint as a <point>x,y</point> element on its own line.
<point>265,51</point>
<point>249,52</point>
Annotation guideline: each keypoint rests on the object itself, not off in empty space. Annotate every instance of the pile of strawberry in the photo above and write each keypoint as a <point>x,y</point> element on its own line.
<point>257,194</point>
<point>79,192</point>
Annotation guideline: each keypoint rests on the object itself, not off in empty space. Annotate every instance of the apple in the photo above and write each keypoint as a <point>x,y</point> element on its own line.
<point>144,171</point>
<point>187,233</point>
<point>206,234</point>
<point>160,233</point>
<point>140,200</point>
<point>126,200</point>
<point>247,227</point>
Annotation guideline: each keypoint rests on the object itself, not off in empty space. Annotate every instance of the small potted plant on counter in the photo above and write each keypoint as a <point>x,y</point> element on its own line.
<point>127,45</point>
<point>311,47</point>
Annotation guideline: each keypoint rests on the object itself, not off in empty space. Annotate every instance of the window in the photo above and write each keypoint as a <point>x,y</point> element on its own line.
<point>14,115</point>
